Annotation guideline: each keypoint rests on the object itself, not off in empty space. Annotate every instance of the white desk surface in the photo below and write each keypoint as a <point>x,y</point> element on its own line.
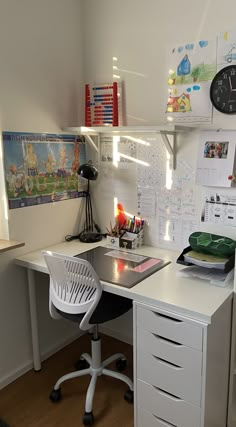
<point>164,289</point>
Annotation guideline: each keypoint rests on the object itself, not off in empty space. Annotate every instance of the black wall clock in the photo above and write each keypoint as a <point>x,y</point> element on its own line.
<point>223,90</point>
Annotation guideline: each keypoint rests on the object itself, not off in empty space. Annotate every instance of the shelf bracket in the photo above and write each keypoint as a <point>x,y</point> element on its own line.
<point>91,142</point>
<point>170,148</point>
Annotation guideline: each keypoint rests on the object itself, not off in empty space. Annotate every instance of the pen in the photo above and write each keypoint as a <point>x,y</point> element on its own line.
<point>134,224</point>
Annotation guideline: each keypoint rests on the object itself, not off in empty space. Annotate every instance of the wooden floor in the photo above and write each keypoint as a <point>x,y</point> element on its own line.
<point>25,402</point>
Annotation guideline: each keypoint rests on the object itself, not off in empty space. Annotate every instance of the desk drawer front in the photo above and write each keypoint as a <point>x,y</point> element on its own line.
<point>170,327</point>
<point>171,351</point>
<point>149,420</point>
<point>173,379</point>
<point>166,407</point>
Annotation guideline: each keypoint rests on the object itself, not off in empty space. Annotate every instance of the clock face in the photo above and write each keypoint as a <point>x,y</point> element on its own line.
<point>223,90</point>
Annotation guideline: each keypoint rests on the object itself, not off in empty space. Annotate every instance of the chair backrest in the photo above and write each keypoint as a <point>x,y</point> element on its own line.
<point>74,285</point>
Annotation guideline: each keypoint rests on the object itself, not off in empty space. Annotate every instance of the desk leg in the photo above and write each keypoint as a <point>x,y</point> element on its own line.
<point>34,320</point>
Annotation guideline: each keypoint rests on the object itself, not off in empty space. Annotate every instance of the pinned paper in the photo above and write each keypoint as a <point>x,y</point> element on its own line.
<point>216,159</point>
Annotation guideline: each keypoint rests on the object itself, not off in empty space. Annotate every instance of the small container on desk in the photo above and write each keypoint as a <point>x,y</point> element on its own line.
<point>131,240</point>
<point>114,240</point>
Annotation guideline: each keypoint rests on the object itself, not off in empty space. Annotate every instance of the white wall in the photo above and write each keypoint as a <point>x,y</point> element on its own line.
<point>41,91</point>
<point>139,34</point>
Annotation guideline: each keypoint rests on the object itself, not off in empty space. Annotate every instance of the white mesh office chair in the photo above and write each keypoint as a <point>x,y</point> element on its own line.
<point>76,294</point>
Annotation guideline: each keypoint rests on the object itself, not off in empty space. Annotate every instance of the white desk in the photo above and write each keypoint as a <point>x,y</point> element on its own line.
<point>162,289</point>
<point>190,302</point>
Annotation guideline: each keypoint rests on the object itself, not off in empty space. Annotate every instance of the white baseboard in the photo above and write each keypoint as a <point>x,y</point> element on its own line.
<point>119,335</point>
<point>25,367</point>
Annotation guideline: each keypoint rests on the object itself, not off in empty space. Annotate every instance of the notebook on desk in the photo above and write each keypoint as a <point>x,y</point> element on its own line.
<point>120,267</point>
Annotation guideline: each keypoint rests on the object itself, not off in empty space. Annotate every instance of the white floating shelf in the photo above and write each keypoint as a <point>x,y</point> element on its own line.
<point>168,129</point>
<point>165,132</point>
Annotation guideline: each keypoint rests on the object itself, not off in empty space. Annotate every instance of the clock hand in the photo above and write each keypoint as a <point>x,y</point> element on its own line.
<point>230,84</point>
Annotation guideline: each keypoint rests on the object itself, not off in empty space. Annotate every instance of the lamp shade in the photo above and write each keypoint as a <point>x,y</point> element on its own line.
<point>88,171</point>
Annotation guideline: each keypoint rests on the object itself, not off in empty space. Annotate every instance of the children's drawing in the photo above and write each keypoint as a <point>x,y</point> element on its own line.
<point>192,67</point>
<point>226,52</point>
<point>184,68</point>
<point>179,103</point>
<point>42,168</point>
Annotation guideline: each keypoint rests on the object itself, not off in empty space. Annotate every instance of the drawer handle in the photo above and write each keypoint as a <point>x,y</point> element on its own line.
<point>175,343</point>
<point>167,424</point>
<point>165,393</point>
<point>168,317</point>
<point>167,363</point>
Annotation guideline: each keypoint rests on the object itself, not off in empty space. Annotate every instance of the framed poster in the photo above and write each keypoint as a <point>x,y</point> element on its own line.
<point>42,168</point>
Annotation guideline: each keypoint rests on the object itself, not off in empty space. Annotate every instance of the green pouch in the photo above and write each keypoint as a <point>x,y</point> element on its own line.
<point>212,244</point>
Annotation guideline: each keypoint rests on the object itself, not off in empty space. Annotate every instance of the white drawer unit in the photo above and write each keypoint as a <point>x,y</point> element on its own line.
<point>173,328</point>
<point>171,351</point>
<point>147,419</point>
<point>168,408</point>
<point>181,368</point>
<point>184,383</point>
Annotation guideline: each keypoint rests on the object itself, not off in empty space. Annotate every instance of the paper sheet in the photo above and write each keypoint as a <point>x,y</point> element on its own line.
<point>125,255</point>
<point>146,201</point>
<point>226,49</point>
<point>174,232</point>
<point>156,155</point>
<point>219,209</point>
<point>191,67</point>
<point>216,159</point>
<point>146,265</point>
<point>215,277</point>
<point>169,230</point>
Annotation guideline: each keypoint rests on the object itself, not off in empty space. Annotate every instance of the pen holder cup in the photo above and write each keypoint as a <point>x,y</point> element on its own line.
<point>113,241</point>
<point>131,240</point>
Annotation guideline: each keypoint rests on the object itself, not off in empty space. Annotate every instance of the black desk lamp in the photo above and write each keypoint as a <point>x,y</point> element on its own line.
<point>89,172</point>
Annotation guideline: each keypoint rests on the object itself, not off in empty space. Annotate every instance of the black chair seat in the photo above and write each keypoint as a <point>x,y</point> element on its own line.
<point>109,307</point>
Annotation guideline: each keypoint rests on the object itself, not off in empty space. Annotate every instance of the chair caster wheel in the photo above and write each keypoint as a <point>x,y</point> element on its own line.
<point>129,396</point>
<point>81,364</point>
<point>121,364</point>
<point>55,395</point>
<point>88,419</point>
